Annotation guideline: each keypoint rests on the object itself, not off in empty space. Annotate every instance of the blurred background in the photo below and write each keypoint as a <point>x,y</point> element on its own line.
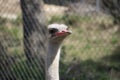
<point>91,52</point>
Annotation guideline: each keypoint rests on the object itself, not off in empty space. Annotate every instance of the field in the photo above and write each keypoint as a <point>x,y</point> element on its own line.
<point>91,52</point>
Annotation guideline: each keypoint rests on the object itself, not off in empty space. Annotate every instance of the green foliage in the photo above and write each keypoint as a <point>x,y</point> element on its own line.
<point>2,21</point>
<point>85,51</point>
<point>14,32</point>
<point>112,7</point>
<point>75,19</point>
<point>17,22</point>
<point>70,19</point>
<point>55,19</point>
<point>83,54</point>
<point>25,71</point>
<point>89,69</point>
<point>114,40</point>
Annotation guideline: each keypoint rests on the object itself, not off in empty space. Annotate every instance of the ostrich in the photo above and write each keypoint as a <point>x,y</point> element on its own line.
<point>57,33</point>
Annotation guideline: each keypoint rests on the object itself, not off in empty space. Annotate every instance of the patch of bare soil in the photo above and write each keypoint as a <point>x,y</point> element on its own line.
<point>11,9</point>
<point>52,10</point>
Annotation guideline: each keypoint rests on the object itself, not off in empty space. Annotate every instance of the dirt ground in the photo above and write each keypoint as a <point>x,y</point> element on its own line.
<point>11,9</point>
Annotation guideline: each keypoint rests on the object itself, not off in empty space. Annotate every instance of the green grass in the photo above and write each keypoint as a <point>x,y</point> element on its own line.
<point>17,22</point>
<point>70,19</point>
<point>25,71</point>
<point>2,21</point>
<point>91,52</point>
<point>88,47</point>
<point>11,36</point>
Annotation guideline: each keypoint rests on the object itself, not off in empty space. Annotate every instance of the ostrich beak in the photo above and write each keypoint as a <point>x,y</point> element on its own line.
<point>63,33</point>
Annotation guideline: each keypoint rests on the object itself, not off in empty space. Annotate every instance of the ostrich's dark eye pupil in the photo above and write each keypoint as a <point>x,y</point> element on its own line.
<point>53,30</point>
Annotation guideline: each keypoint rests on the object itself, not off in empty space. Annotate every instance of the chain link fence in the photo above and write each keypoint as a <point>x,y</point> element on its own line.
<point>91,52</point>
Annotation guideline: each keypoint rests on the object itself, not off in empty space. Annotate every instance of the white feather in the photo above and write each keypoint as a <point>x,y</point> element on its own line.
<point>60,27</point>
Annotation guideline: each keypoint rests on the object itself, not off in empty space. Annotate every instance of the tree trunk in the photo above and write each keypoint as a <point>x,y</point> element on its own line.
<point>35,32</point>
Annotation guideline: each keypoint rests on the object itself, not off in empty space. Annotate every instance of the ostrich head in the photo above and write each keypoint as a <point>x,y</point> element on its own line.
<point>58,32</point>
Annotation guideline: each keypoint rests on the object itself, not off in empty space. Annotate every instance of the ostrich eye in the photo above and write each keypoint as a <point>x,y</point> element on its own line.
<point>53,30</point>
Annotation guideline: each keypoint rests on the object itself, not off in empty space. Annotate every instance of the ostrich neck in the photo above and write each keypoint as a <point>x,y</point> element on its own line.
<point>53,57</point>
